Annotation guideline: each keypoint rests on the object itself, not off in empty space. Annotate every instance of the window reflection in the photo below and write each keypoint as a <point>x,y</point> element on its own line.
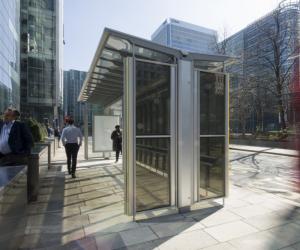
<point>152,99</point>
<point>212,167</point>
<point>212,104</point>
<point>152,173</point>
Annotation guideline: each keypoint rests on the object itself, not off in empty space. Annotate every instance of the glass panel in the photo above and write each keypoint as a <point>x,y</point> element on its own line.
<point>152,118</point>
<point>152,173</point>
<point>118,44</point>
<point>152,99</point>
<point>149,54</point>
<point>212,166</point>
<point>209,65</point>
<point>212,103</point>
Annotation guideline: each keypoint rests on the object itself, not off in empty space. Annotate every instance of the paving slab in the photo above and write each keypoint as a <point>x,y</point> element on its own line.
<point>221,246</point>
<point>267,221</point>
<point>250,211</point>
<point>189,241</point>
<point>228,231</point>
<point>288,234</point>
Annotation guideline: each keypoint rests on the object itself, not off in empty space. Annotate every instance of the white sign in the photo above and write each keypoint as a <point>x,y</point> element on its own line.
<point>103,126</point>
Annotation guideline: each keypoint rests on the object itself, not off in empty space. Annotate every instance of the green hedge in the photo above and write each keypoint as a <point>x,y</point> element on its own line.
<point>38,130</point>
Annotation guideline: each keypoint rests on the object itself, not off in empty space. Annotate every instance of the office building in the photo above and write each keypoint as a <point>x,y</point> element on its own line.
<point>9,54</point>
<point>255,48</point>
<point>41,59</point>
<point>73,81</point>
<point>185,36</point>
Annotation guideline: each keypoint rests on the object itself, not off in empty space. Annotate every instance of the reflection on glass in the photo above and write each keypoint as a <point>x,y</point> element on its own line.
<point>212,162</point>
<point>152,173</point>
<point>149,54</point>
<point>152,99</point>
<point>152,118</point>
<point>212,104</point>
<point>209,65</point>
<point>116,43</point>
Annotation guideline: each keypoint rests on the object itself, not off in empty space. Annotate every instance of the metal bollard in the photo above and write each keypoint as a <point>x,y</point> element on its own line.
<point>33,177</point>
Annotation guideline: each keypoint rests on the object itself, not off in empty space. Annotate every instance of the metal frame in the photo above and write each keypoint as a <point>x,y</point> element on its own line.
<point>172,136</point>
<point>128,135</point>
<point>198,137</point>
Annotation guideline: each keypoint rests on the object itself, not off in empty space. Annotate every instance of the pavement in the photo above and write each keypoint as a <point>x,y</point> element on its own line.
<point>261,212</point>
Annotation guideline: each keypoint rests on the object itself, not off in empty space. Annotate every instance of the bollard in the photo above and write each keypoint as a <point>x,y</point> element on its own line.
<point>33,177</point>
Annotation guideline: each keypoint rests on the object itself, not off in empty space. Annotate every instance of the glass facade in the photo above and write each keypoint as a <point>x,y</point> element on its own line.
<point>40,58</point>
<point>254,68</point>
<point>73,81</point>
<point>185,36</point>
<point>9,54</point>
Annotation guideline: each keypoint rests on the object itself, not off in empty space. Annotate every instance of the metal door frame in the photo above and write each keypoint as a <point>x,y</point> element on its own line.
<point>197,135</point>
<point>129,145</point>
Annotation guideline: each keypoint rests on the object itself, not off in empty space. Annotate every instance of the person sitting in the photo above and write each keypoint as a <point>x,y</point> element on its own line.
<point>15,139</point>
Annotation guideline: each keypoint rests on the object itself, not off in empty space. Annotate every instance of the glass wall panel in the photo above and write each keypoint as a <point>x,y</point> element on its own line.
<point>153,135</point>
<point>212,104</point>
<point>152,99</point>
<point>152,173</point>
<point>212,167</point>
<point>212,135</point>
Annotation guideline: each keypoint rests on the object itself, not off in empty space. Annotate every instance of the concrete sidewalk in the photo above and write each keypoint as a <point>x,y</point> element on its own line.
<point>87,213</point>
<point>265,150</point>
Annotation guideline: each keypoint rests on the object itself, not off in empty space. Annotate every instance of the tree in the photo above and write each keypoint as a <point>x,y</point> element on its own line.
<point>275,48</point>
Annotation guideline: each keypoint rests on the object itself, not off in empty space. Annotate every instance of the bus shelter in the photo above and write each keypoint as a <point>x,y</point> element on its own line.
<point>174,120</point>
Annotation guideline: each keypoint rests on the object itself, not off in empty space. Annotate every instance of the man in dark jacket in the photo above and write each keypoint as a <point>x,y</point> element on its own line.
<point>116,137</point>
<point>15,138</point>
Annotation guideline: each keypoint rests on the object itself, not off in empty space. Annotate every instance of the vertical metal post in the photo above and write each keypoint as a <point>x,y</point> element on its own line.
<point>86,132</point>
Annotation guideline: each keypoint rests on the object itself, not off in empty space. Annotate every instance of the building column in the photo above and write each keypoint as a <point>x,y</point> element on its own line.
<point>185,135</point>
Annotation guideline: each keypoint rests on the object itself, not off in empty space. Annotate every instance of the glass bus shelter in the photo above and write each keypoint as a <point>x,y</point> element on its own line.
<point>175,120</point>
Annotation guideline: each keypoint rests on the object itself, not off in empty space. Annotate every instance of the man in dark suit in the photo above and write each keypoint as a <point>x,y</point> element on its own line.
<point>116,137</point>
<point>15,139</point>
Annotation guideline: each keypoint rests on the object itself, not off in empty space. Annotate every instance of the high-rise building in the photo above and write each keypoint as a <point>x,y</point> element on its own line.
<point>264,49</point>
<point>41,59</point>
<point>185,36</point>
<point>73,81</point>
<point>9,54</point>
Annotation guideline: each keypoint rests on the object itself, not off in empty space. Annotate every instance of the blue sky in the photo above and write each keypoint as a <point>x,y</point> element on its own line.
<point>84,20</point>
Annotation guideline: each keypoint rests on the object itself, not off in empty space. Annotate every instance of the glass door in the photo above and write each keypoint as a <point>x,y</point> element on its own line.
<point>153,140</point>
<point>212,134</point>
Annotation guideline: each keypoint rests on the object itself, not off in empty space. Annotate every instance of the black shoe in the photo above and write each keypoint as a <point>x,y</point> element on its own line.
<point>73,175</point>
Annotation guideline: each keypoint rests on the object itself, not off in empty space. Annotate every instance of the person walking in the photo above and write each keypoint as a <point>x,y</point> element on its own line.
<point>16,139</point>
<point>116,137</point>
<point>71,138</point>
<point>57,135</point>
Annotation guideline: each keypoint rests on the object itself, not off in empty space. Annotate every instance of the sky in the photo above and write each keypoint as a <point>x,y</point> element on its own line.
<point>84,20</point>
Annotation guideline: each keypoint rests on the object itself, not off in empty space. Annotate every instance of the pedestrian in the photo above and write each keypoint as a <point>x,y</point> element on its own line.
<point>57,134</point>
<point>116,137</point>
<point>16,139</point>
<point>71,138</point>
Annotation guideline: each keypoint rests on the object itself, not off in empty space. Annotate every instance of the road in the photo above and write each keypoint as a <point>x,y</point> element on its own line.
<point>272,173</point>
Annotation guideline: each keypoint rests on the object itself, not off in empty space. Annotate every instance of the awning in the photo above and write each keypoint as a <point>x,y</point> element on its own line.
<point>104,82</point>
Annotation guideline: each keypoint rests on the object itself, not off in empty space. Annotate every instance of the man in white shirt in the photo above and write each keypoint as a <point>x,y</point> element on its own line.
<point>71,138</point>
